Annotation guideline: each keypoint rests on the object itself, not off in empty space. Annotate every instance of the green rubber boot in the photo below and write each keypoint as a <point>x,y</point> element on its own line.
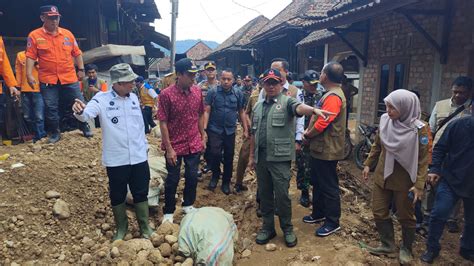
<point>121,221</point>
<point>141,210</point>
<point>408,237</point>
<point>387,239</point>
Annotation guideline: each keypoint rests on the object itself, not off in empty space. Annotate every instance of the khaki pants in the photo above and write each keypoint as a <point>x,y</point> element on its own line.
<point>243,161</point>
<point>273,179</point>
<point>381,200</point>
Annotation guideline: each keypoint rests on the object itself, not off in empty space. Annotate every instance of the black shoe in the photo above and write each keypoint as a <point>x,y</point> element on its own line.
<point>467,254</point>
<point>452,227</point>
<point>309,219</point>
<point>205,169</point>
<point>55,137</point>
<point>429,256</point>
<point>259,212</point>
<point>304,200</point>
<point>86,130</point>
<point>199,176</point>
<point>225,188</point>
<point>212,184</point>
<point>240,187</point>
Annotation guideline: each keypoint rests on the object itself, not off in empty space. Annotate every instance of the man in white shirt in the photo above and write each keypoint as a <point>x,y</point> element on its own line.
<point>124,147</point>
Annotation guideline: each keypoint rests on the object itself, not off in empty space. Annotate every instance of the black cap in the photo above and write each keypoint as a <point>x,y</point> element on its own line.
<point>50,10</point>
<point>185,65</point>
<point>271,74</point>
<point>311,76</point>
<point>209,65</point>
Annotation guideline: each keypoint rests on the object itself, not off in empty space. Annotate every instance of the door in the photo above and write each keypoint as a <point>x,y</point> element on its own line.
<point>393,75</point>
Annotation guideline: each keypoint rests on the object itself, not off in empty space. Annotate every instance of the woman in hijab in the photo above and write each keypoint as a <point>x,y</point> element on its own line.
<point>400,156</point>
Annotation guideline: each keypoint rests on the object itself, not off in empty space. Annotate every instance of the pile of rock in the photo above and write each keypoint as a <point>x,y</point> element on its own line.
<point>160,249</point>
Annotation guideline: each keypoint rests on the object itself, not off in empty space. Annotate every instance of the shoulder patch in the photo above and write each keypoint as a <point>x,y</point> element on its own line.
<point>424,140</point>
<point>419,124</point>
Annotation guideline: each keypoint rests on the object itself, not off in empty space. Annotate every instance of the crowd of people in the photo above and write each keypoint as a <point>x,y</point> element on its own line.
<point>422,169</point>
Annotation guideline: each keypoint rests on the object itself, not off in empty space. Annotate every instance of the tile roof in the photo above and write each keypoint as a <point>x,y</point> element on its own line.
<point>350,7</point>
<point>295,14</point>
<point>198,51</point>
<point>243,35</point>
<point>316,36</point>
<point>319,9</point>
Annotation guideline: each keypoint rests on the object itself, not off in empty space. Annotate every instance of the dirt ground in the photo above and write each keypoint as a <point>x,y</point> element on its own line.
<point>30,233</point>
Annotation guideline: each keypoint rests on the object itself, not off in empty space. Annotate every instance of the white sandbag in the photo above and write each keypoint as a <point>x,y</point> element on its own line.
<point>207,235</point>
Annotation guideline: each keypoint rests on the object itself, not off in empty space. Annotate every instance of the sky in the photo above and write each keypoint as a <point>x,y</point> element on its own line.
<point>213,20</point>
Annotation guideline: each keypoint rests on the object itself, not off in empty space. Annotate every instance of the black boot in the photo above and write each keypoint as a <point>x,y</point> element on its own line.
<point>213,183</point>
<point>408,237</point>
<point>225,187</point>
<point>387,239</point>
<point>304,200</point>
<point>86,130</point>
<point>429,256</point>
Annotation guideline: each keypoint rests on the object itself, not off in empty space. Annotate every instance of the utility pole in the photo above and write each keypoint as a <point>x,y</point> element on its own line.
<point>174,15</point>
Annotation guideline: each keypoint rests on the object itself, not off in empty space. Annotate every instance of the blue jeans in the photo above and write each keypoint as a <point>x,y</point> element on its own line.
<point>56,95</point>
<point>191,164</point>
<point>33,112</point>
<point>444,203</point>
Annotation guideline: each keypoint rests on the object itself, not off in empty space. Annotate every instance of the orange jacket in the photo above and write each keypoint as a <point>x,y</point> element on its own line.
<point>332,104</point>
<point>55,55</point>
<point>20,69</point>
<point>5,68</point>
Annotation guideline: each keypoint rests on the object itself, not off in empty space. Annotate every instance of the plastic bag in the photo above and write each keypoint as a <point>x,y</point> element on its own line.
<point>207,235</point>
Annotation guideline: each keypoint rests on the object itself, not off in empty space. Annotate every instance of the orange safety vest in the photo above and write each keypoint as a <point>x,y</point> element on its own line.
<point>5,68</point>
<point>20,69</point>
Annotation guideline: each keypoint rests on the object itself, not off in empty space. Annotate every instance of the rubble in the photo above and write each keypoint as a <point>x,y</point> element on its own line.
<point>31,234</point>
<point>61,209</point>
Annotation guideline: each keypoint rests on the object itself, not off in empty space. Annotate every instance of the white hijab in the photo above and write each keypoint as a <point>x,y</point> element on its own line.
<point>400,137</point>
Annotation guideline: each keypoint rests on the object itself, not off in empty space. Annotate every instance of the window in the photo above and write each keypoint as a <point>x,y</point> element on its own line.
<point>392,76</point>
<point>383,88</point>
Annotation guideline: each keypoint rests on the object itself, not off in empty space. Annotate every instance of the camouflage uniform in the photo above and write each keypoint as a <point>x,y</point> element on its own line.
<point>303,176</point>
<point>168,80</point>
<point>205,87</point>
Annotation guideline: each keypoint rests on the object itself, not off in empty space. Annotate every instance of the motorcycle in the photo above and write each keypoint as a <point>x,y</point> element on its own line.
<point>362,149</point>
<point>347,145</point>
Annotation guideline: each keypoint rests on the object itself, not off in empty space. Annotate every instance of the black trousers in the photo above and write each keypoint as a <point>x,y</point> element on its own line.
<point>136,176</point>
<point>148,118</point>
<point>191,164</point>
<point>219,143</point>
<point>326,197</point>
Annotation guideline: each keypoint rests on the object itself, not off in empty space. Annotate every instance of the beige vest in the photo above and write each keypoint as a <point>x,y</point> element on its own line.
<point>444,109</point>
<point>329,145</point>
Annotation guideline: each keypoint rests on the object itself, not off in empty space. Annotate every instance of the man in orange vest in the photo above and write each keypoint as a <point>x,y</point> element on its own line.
<point>7,78</point>
<point>31,100</point>
<point>56,51</point>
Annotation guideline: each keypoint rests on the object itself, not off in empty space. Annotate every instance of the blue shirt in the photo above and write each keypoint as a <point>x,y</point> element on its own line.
<point>225,106</point>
